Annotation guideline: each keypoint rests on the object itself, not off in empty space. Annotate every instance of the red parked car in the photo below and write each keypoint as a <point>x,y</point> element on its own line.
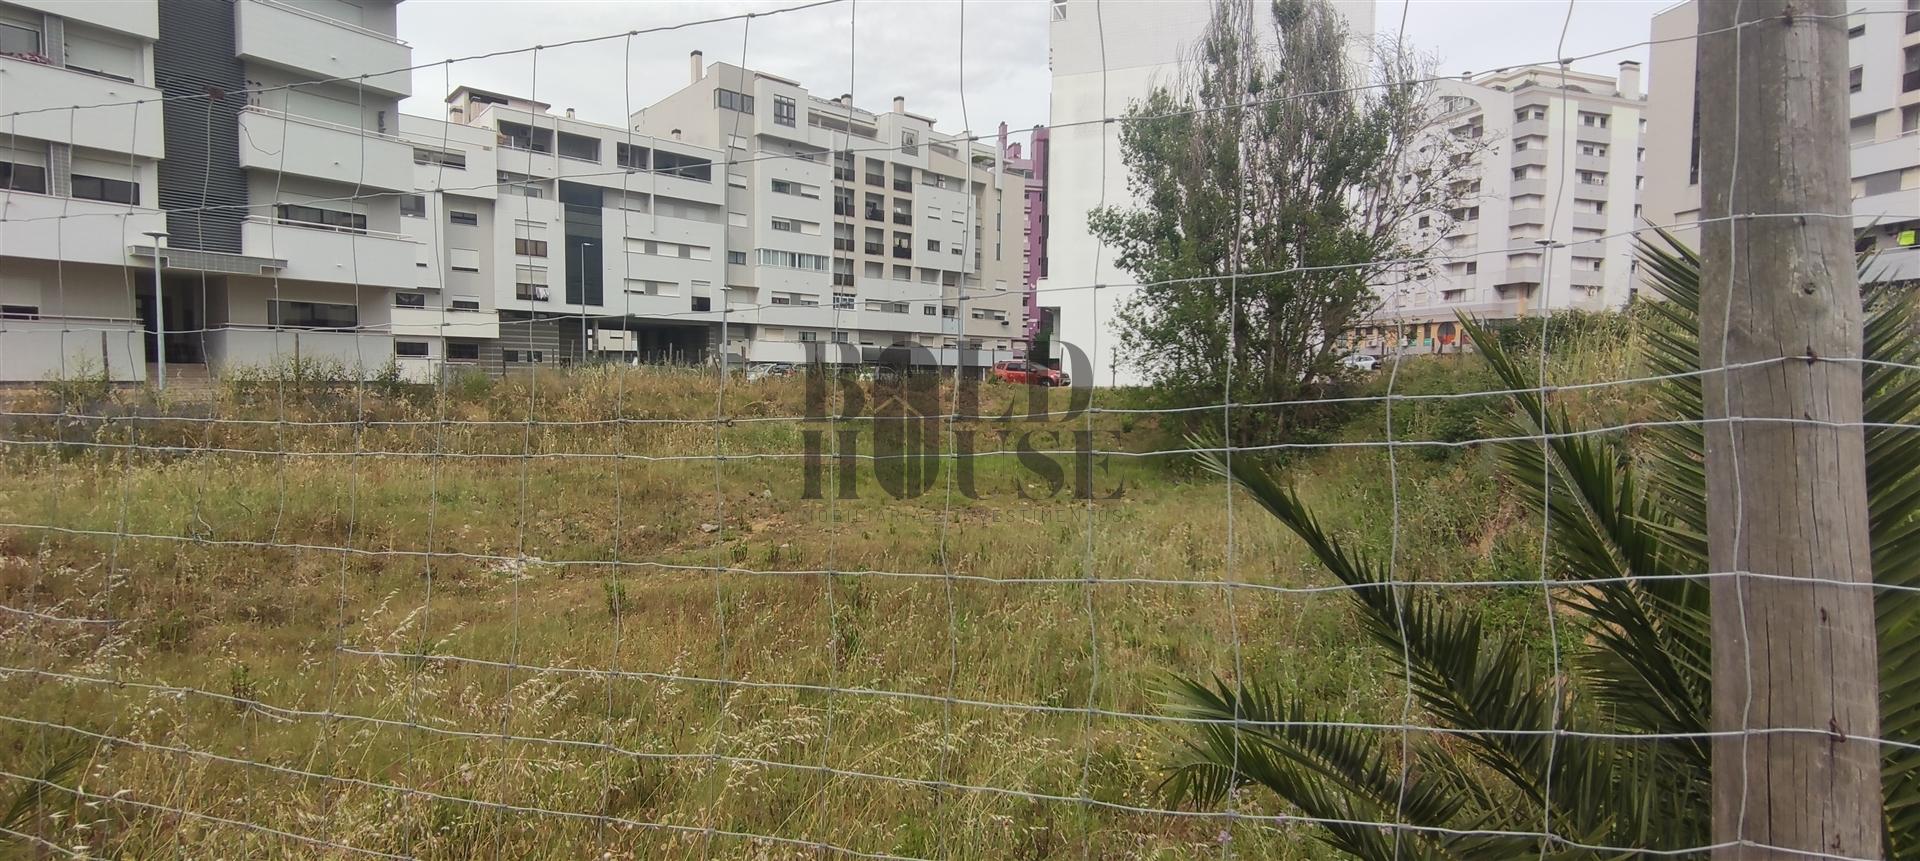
<point>1025,373</point>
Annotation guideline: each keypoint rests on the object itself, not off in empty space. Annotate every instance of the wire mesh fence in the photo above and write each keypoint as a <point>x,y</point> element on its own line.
<point>641,611</point>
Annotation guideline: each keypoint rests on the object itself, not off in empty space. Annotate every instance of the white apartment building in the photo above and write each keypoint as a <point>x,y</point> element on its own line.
<point>1883,49</point>
<point>843,225</point>
<point>1543,220</point>
<point>1106,55</point>
<point>280,203</point>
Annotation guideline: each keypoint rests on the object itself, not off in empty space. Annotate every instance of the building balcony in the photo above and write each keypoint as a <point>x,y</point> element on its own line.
<point>91,231</point>
<point>1530,215</point>
<point>1588,278</point>
<point>1590,220</point>
<point>875,248</point>
<point>1529,186</point>
<point>903,253</point>
<point>237,345</point>
<point>314,253</point>
<point>903,218</point>
<point>39,95</point>
<point>841,243</point>
<point>292,37</point>
<point>876,214</point>
<point>278,142</point>
<point>1592,134</point>
<point>1592,162</point>
<point>1531,155</point>
<point>877,180</point>
<point>1524,276</point>
<point>902,185</point>
<point>53,346</point>
<point>1529,128</point>
<point>447,323</point>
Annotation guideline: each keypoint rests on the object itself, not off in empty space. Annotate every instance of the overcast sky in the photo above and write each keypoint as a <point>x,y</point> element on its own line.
<point>910,48</point>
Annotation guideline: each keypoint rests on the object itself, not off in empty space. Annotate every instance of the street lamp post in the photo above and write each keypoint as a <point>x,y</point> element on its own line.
<point>159,309</point>
<point>581,264</point>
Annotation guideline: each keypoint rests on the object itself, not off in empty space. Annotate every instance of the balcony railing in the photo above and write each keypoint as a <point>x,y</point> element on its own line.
<point>876,214</point>
<point>1913,22</point>
<point>844,174</point>
<point>903,218</point>
<point>842,244</point>
<point>902,185</point>
<point>843,279</point>
<point>876,248</point>
<point>840,208</point>
<point>876,179</point>
<point>1910,81</point>
<point>351,28</point>
<point>902,253</point>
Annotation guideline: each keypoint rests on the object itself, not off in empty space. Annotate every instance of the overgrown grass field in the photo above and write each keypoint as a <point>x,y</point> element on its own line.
<point>527,619</point>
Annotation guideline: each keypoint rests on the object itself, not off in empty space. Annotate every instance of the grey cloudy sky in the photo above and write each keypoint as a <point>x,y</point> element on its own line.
<point>910,48</point>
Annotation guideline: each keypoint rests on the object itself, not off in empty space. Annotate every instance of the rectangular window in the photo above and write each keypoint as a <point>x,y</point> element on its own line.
<point>19,312</point>
<point>23,177</point>
<point>411,349</point>
<point>409,300</point>
<point>120,191</point>
<point>465,304</point>
<point>311,315</point>
<point>843,301</point>
<point>684,166</point>
<point>733,101</point>
<point>1857,31</point>
<point>16,40</point>
<point>809,336</point>
<point>455,160</point>
<point>737,258</point>
<point>413,205</point>
<point>933,245</point>
<point>1855,79</point>
<point>313,216</point>
<point>785,113</point>
<point>463,259</point>
<point>530,247</point>
<point>455,216</point>
<point>510,357</point>
<point>579,147</point>
<point>469,352</point>
<point>630,156</point>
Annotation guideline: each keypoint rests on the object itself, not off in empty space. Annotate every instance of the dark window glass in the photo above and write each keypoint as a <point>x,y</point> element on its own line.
<point>409,300</point>
<point>413,205</point>
<point>675,164</point>
<point>23,177</point>
<point>19,312</point>
<point>311,315</point>
<point>417,349</point>
<point>631,156</point>
<point>457,217</point>
<point>784,111</point>
<point>466,305</point>
<point>530,247</point>
<point>458,352</point>
<point>331,219</point>
<point>109,190</point>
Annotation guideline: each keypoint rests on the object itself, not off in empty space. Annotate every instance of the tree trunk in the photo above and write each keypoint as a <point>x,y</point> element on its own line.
<point>1794,653</point>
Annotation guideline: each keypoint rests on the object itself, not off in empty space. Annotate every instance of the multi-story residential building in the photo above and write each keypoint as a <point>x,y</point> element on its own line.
<point>1105,57</point>
<point>1883,101</point>
<point>1543,220</point>
<point>257,136</point>
<point>870,229</point>
<point>1033,169</point>
<point>78,188</point>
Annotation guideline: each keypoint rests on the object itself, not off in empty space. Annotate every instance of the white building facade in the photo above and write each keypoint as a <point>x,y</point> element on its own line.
<point>868,229</point>
<point>1883,99</point>
<point>278,193</point>
<point>1106,55</point>
<point>1542,222</point>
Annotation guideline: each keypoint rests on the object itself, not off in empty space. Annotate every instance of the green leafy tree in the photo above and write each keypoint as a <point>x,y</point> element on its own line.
<point>1629,521</point>
<point>1275,152</point>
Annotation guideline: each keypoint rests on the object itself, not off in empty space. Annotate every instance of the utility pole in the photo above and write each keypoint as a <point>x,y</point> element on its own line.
<point>1795,670</point>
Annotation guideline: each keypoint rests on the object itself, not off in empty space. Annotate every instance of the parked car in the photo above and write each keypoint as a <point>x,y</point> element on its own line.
<point>767,370</point>
<point>1360,361</point>
<point>1026,374</point>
